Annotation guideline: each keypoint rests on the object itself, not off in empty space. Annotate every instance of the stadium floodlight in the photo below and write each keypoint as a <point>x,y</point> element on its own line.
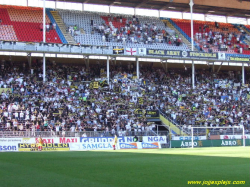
<point>234,129</point>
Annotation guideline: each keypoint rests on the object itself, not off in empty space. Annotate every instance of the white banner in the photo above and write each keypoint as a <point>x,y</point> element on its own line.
<point>234,137</point>
<point>90,146</point>
<point>10,140</point>
<point>236,84</point>
<point>52,140</point>
<point>109,146</point>
<point>86,143</point>
<point>142,51</point>
<point>151,139</point>
<point>131,51</point>
<point>123,139</point>
<point>8,146</point>
<point>188,137</point>
<point>222,56</point>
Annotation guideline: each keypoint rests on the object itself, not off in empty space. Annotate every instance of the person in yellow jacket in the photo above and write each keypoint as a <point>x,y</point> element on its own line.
<point>40,143</point>
<point>115,142</point>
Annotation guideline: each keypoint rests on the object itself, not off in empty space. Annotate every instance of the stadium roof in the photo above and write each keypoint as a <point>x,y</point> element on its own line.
<point>238,8</point>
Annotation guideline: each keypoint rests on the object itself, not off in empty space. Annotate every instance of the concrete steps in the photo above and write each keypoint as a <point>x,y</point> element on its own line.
<point>172,127</point>
<point>168,24</point>
<point>62,27</point>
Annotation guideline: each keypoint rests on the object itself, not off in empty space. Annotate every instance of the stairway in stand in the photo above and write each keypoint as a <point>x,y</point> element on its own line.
<point>168,24</point>
<point>62,27</point>
<point>173,129</point>
<point>248,33</point>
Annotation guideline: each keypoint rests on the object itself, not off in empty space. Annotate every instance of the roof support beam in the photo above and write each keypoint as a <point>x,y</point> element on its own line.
<point>115,2</point>
<point>86,1</point>
<point>142,3</point>
<point>164,7</point>
<point>219,67</point>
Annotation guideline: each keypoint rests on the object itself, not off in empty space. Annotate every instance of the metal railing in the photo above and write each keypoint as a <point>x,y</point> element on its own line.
<point>21,134</point>
<point>30,47</point>
<point>213,131</point>
<point>171,120</point>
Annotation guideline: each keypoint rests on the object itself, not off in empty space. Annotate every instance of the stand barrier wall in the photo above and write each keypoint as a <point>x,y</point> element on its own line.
<point>209,143</point>
<point>80,143</point>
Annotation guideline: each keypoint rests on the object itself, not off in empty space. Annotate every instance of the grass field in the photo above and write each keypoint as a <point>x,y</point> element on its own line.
<point>125,168</point>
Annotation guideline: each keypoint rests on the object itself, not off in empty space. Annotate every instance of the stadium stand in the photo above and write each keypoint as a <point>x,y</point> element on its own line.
<point>24,24</point>
<point>72,99</point>
<point>215,37</point>
<point>107,29</point>
<point>101,29</point>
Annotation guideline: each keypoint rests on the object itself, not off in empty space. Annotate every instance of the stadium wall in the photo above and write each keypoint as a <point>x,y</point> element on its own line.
<point>209,143</point>
<point>80,143</point>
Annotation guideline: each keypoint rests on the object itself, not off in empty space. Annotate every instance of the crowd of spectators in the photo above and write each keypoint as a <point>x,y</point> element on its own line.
<point>225,39</point>
<point>68,101</point>
<point>65,102</point>
<point>133,31</point>
<point>215,102</point>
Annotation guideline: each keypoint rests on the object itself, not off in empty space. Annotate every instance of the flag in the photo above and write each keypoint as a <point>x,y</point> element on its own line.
<point>94,85</point>
<point>131,51</point>
<point>221,56</point>
<point>118,50</point>
<point>142,51</point>
<point>103,83</point>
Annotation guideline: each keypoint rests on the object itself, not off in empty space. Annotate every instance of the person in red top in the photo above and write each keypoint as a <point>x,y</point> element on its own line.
<point>128,32</point>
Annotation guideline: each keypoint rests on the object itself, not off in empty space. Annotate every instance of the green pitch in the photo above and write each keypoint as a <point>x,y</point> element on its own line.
<point>125,168</point>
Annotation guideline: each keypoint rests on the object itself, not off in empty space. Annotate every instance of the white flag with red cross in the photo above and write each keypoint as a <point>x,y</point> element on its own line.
<point>131,51</point>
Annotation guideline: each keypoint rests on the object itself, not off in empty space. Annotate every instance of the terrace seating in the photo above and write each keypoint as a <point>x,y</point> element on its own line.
<point>23,24</point>
<point>83,21</point>
<point>204,30</point>
<point>7,33</point>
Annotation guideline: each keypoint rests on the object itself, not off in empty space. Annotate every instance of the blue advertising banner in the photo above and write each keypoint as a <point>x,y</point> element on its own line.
<point>123,139</point>
<point>128,146</point>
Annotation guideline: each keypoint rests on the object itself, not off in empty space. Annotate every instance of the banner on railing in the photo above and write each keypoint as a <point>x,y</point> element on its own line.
<point>234,136</point>
<point>188,137</point>
<point>128,145</point>
<point>118,50</point>
<point>140,145</point>
<point>154,145</point>
<point>81,143</point>
<point>10,140</point>
<point>208,143</point>
<point>239,59</point>
<point>109,146</point>
<point>182,54</point>
<point>91,146</point>
<point>45,147</point>
<point>139,113</point>
<point>123,139</point>
<point>52,140</point>
<point>8,146</point>
<point>150,139</point>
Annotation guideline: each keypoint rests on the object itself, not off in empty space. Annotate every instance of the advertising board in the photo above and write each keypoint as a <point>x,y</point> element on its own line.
<point>46,147</point>
<point>91,146</point>
<point>189,137</point>
<point>123,139</point>
<point>8,146</point>
<point>208,143</point>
